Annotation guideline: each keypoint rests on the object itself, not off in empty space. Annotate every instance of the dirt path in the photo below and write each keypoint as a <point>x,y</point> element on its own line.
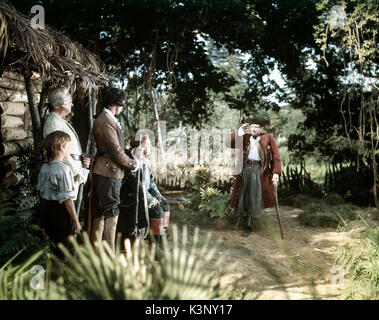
<point>306,254</point>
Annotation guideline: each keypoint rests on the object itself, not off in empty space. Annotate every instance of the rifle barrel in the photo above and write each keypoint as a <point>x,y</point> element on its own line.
<point>173,202</point>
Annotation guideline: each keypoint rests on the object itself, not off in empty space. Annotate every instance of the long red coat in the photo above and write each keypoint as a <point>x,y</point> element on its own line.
<point>268,193</point>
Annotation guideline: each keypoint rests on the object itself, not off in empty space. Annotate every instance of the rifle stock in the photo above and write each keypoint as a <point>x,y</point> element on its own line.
<point>178,202</point>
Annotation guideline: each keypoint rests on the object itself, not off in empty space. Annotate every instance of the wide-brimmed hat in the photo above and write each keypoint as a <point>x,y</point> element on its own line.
<point>257,120</point>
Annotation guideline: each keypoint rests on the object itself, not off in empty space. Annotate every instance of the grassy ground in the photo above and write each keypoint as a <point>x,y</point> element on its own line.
<point>300,266</point>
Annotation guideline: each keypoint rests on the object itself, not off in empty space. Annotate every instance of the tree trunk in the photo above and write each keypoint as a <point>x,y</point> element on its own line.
<point>36,121</point>
<point>10,148</point>
<point>42,102</point>
<point>13,108</point>
<point>159,129</point>
<point>374,147</point>
<point>11,134</point>
<point>11,122</point>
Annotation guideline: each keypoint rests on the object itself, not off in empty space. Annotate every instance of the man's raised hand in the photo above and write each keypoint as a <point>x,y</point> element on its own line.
<point>245,128</point>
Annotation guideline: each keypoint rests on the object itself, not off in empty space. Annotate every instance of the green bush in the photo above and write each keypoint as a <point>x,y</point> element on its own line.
<point>15,279</point>
<point>214,204</point>
<point>187,270</point>
<point>209,205</point>
<point>354,186</point>
<point>322,214</point>
<point>328,211</point>
<point>203,176</point>
<point>17,232</point>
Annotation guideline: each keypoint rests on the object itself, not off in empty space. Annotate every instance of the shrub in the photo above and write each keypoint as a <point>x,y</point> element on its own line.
<point>354,186</point>
<point>361,265</point>
<point>203,176</point>
<point>321,214</point>
<point>14,280</point>
<point>17,232</point>
<point>182,272</point>
<point>214,204</point>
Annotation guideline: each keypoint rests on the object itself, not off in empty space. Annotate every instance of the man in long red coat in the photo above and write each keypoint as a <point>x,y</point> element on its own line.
<point>256,178</point>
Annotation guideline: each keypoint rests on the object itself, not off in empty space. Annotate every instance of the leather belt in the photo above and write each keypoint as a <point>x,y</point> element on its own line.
<point>76,157</point>
<point>103,154</point>
<point>253,162</point>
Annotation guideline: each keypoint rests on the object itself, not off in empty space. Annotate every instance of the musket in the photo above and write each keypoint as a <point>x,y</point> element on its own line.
<point>90,143</point>
<point>277,212</point>
<point>177,202</point>
<point>269,153</point>
<point>135,231</point>
<point>81,186</point>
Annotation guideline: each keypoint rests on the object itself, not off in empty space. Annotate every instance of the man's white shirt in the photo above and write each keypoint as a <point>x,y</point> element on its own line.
<point>253,152</point>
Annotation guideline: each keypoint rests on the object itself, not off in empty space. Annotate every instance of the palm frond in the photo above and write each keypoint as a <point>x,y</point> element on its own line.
<point>49,52</point>
<point>181,273</point>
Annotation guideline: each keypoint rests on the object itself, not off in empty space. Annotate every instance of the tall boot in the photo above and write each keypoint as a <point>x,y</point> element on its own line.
<point>97,230</point>
<point>246,226</point>
<point>158,247</point>
<point>166,220</point>
<point>110,224</point>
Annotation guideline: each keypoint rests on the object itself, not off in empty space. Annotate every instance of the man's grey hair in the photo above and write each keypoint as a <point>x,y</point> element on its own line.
<point>58,97</point>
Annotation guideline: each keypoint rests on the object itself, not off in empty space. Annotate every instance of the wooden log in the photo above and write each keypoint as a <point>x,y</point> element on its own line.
<point>10,148</point>
<point>36,120</point>
<point>8,121</point>
<point>16,84</point>
<point>12,84</point>
<point>36,77</point>
<point>13,108</point>
<point>27,121</point>
<point>15,96</point>
<point>13,180</point>
<point>12,75</point>
<point>10,134</point>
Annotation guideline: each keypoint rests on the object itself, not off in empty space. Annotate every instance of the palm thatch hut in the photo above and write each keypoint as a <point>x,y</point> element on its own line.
<point>31,62</point>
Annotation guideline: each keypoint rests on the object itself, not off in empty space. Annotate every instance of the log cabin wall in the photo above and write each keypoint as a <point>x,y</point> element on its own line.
<point>16,136</point>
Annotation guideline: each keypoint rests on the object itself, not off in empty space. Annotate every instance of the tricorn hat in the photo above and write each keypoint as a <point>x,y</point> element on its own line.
<point>257,120</point>
<point>113,96</point>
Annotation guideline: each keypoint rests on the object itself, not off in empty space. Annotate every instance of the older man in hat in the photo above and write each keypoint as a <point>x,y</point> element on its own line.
<point>256,178</point>
<point>60,101</point>
<point>108,168</point>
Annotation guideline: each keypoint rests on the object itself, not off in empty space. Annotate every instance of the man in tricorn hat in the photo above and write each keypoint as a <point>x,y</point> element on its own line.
<point>108,168</point>
<point>256,178</point>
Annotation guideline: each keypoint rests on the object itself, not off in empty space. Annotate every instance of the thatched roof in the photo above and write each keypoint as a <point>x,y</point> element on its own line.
<point>50,53</point>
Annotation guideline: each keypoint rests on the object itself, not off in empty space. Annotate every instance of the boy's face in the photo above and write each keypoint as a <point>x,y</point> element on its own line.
<point>66,148</point>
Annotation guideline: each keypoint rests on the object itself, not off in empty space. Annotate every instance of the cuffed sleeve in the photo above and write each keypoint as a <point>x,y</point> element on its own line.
<point>240,132</point>
<point>154,188</point>
<point>277,165</point>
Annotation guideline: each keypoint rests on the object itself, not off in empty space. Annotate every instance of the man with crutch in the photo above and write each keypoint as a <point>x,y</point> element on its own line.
<point>256,178</point>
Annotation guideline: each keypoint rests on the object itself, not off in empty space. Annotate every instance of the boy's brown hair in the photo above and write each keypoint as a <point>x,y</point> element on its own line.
<point>53,142</point>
